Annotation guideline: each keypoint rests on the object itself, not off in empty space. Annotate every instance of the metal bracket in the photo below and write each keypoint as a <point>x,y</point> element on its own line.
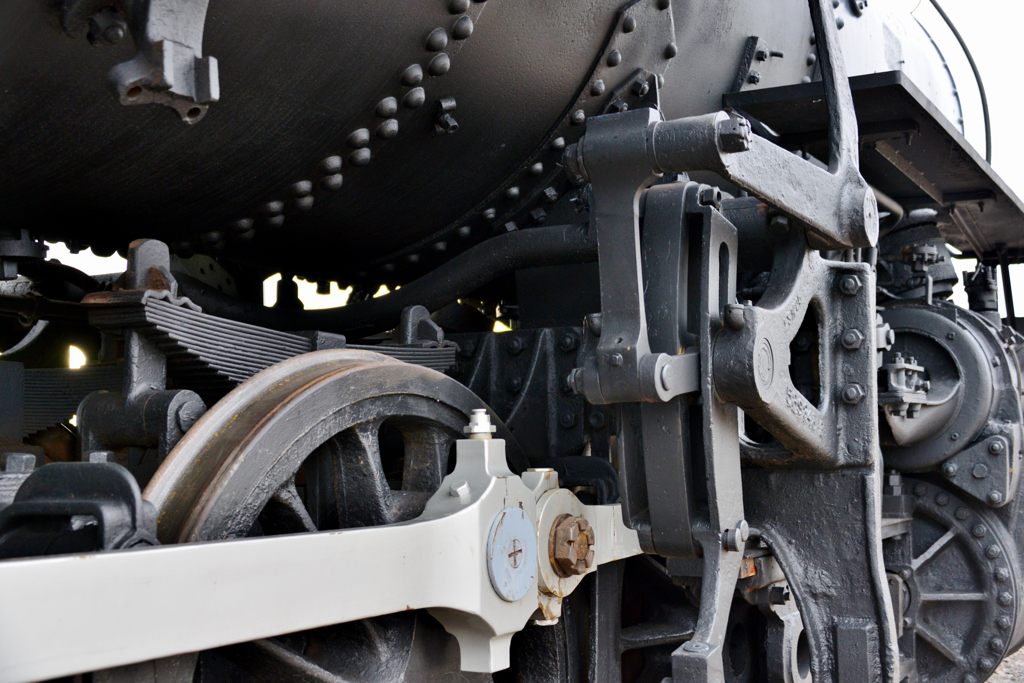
<point>169,67</point>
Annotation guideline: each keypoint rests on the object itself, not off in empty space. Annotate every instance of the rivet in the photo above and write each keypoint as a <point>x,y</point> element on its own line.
<point>413,75</point>
<point>414,98</point>
<point>360,157</point>
<point>242,225</point>
<point>412,258</point>
<point>212,237</point>
<point>331,183</point>
<point>302,188</point>
<point>464,231</point>
<point>462,28</point>
<point>614,57</point>
<point>597,88</point>
<point>992,552</point>
<point>811,59</point>
<point>512,193</point>
<point>331,165</point>
<point>387,129</point>
<point>1004,622</point>
<point>358,138</point>
<point>671,51</point>
<point>578,117</point>
<point>275,221</point>
<point>840,23</point>
<point>962,513</point>
<point>458,6</point>
<point>979,531</point>
<point>303,203</point>
<point>628,25</point>
<point>490,214</point>
<point>272,208</point>
<point>439,64</point>
<point>437,40</point>
<point>558,144</point>
<point>537,168</point>
<point>387,108</point>
<point>440,246</point>
<point>920,489</point>
<point>996,645</point>
<point>942,499</point>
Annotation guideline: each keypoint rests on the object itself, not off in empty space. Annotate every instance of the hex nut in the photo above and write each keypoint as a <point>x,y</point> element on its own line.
<point>852,339</point>
<point>571,546</point>
<point>853,393</point>
<point>850,284</point>
<point>711,196</point>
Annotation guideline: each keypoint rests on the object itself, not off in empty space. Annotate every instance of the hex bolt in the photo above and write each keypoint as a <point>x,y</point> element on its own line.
<point>950,469</point>
<point>514,384</point>
<point>852,339</point>
<point>996,645</point>
<point>189,413</point>
<point>920,489</point>
<point>850,285</point>
<point>567,419</point>
<point>979,531</point>
<point>733,316</point>
<point>571,546</point>
<point>1005,599</point>
<point>468,349</point>
<point>1001,574</point>
<point>711,196</point>
<point>962,513</point>
<point>479,426</point>
<point>942,499</point>
<point>853,393</point>
<point>994,498</point>
<point>992,552</point>
<point>515,346</point>
<point>1004,622</point>
<point>615,360</point>
<point>459,489</point>
<point>19,463</point>
<point>596,419</point>
<point>733,539</point>
<point>568,343</point>
<point>995,447</point>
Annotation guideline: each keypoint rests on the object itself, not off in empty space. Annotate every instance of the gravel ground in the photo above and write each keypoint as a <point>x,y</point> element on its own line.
<point>1012,670</point>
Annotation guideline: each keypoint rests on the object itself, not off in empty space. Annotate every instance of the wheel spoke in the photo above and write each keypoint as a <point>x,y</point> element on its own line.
<point>426,456</point>
<point>269,661</point>
<point>953,596</point>
<point>361,488</point>
<point>932,639</point>
<point>933,550</point>
<point>285,513</point>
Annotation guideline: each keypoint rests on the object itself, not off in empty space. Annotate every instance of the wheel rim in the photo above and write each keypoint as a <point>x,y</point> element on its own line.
<point>309,445</point>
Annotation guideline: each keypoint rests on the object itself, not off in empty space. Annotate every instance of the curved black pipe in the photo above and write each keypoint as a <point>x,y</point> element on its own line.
<point>487,261</point>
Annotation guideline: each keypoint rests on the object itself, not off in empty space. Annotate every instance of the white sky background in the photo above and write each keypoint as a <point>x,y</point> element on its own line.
<point>991,29</point>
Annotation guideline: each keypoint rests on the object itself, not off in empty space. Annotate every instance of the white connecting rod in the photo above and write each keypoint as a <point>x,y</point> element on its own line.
<point>77,613</point>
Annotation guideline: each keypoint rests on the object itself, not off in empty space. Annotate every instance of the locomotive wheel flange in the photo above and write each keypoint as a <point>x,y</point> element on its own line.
<point>964,587</point>
<point>327,440</point>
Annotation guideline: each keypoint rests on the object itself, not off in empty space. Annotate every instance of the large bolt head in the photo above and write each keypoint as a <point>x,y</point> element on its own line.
<point>189,413</point>
<point>852,393</point>
<point>850,285</point>
<point>571,546</point>
<point>852,339</point>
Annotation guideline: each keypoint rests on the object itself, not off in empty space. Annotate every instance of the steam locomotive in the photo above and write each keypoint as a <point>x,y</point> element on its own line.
<point>649,369</point>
